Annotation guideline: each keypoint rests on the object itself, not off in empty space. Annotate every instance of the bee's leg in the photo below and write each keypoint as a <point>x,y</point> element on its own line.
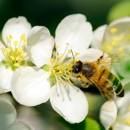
<point>98,60</point>
<point>85,84</point>
<point>104,95</point>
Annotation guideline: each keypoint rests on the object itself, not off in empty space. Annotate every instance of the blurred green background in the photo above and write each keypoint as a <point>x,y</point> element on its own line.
<point>49,13</point>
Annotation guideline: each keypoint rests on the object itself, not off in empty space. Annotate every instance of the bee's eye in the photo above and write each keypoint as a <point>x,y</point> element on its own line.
<point>76,69</point>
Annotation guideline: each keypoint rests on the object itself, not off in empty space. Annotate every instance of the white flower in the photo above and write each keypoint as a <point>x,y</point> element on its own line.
<point>98,35</point>
<point>116,37</point>
<point>123,118</point>
<point>31,85</point>
<point>12,52</point>
<point>108,114</point>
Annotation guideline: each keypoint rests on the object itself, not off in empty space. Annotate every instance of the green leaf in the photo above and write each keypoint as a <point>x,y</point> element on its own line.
<point>92,124</point>
<point>124,68</point>
<point>121,9</point>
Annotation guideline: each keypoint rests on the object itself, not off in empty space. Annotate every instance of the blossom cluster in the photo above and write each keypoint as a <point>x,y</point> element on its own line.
<point>36,67</point>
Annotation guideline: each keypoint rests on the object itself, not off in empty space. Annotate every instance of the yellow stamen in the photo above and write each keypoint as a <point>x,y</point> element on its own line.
<point>10,36</point>
<point>16,43</point>
<point>62,55</point>
<point>113,30</point>
<point>16,64</point>
<point>129,108</point>
<point>12,58</point>
<point>127,120</point>
<point>113,43</point>
<point>23,37</point>
<point>7,50</point>
<point>58,81</point>
<point>120,50</point>
<point>53,71</point>
<point>25,42</point>
<point>76,60</point>
<point>58,56</point>
<point>51,60</point>
<point>7,39</point>
<point>69,51</point>
<point>60,71</point>
<point>3,49</point>
<point>77,53</point>
<point>67,43</point>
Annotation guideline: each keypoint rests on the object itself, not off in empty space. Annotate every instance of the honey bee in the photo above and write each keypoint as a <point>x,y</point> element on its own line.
<point>97,73</point>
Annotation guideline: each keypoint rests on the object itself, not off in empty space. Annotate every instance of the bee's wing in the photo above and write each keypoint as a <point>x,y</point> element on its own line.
<point>112,60</point>
<point>109,94</point>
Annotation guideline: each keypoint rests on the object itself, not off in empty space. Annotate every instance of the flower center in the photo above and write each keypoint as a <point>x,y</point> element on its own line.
<point>14,52</point>
<point>118,42</point>
<point>61,65</point>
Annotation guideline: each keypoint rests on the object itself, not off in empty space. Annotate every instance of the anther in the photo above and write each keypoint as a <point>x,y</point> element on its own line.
<point>25,42</point>
<point>53,71</point>
<point>113,30</point>
<point>69,51</point>
<point>23,37</point>
<point>10,36</point>
<point>51,60</point>
<point>58,81</point>
<point>127,120</point>
<point>77,53</point>
<point>15,43</point>
<point>58,56</point>
<point>120,50</point>
<point>7,39</point>
<point>67,43</point>
<point>16,64</point>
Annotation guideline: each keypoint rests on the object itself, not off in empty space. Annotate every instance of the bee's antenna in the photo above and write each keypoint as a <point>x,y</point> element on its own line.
<point>73,54</point>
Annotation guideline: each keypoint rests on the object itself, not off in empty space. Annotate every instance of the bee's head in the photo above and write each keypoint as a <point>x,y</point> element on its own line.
<point>77,67</point>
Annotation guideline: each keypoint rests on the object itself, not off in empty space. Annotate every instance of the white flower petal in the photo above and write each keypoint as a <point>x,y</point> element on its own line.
<point>5,77</point>
<point>1,54</point>
<point>41,44</point>
<point>69,102</point>
<point>74,30</point>
<point>108,114</point>
<point>16,27</point>
<point>123,103</point>
<point>7,114</point>
<point>30,86</point>
<point>116,37</point>
<point>119,126</point>
<point>120,20</point>
<point>91,54</point>
<point>20,125</point>
<point>98,36</point>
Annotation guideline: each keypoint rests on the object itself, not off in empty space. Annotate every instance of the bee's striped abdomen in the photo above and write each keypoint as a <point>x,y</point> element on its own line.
<point>119,89</point>
<point>109,83</point>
